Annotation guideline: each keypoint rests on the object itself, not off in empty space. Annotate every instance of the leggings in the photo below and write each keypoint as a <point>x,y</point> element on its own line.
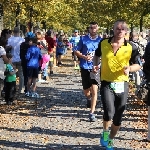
<point>113,104</point>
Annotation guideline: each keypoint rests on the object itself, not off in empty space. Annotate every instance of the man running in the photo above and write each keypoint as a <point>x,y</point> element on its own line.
<point>74,42</point>
<point>118,58</point>
<point>85,51</point>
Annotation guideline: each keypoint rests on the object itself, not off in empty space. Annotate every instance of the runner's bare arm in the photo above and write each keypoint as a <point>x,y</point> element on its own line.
<point>96,60</point>
<point>135,67</point>
<point>80,55</point>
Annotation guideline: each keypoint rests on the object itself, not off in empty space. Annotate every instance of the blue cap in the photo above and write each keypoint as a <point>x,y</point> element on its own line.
<point>30,35</point>
<point>75,30</point>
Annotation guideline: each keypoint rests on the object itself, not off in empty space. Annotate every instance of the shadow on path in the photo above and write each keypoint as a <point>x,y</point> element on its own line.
<point>51,146</point>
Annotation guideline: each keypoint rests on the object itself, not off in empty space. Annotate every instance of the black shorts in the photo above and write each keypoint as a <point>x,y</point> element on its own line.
<point>86,79</point>
<point>113,104</point>
<point>75,58</point>
<point>33,72</point>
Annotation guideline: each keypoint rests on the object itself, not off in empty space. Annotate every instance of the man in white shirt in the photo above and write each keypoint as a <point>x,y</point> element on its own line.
<point>3,59</point>
<point>15,41</point>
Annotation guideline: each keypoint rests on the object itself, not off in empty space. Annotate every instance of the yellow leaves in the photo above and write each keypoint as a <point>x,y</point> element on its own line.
<point>68,12</point>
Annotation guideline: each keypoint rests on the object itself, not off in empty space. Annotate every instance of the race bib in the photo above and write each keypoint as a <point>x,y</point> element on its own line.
<point>91,54</point>
<point>118,87</point>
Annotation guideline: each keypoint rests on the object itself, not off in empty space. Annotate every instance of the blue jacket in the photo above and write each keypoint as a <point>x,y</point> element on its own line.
<point>33,57</point>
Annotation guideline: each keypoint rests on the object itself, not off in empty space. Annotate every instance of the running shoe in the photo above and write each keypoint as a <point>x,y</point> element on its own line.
<point>110,145</point>
<point>104,138</point>
<point>92,117</point>
<point>35,95</point>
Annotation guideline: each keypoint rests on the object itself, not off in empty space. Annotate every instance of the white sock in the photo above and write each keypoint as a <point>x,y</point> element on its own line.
<point>105,130</point>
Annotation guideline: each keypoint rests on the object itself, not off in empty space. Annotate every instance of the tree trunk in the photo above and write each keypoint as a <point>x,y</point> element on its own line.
<point>107,30</point>
<point>131,27</point>
<point>141,23</point>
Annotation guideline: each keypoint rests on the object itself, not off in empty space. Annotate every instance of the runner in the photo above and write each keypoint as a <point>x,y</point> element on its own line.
<point>74,41</point>
<point>85,51</point>
<point>118,58</point>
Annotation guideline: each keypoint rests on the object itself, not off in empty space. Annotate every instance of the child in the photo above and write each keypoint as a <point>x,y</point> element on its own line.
<point>10,81</point>
<point>45,60</point>
<point>33,57</point>
<point>60,49</point>
<point>44,51</point>
<point>51,41</point>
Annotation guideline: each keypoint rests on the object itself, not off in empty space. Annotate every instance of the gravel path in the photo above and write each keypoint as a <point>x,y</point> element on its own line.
<point>59,119</point>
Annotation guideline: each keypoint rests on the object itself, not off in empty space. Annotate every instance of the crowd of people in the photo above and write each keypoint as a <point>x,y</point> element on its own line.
<point>105,63</point>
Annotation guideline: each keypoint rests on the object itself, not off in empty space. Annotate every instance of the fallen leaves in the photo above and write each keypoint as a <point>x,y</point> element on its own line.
<point>57,118</point>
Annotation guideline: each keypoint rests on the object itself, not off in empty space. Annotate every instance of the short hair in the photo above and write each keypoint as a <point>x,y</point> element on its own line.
<point>4,32</point>
<point>8,55</point>
<point>38,33</point>
<point>93,23</point>
<point>34,40</point>
<point>3,41</point>
<point>120,21</point>
<point>27,39</point>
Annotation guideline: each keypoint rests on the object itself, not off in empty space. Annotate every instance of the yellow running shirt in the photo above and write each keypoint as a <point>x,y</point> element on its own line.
<point>112,64</point>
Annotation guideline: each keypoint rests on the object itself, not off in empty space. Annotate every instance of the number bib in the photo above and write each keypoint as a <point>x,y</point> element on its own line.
<point>118,87</point>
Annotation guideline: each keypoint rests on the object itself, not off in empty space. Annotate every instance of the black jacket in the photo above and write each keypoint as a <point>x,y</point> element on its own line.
<point>146,66</point>
<point>23,50</point>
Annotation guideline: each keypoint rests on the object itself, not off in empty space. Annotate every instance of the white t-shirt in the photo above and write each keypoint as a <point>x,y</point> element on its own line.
<point>2,65</point>
<point>15,42</point>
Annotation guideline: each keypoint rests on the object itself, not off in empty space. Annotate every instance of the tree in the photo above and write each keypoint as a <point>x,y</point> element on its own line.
<point>70,14</point>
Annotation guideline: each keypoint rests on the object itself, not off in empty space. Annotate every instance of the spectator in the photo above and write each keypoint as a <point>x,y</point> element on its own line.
<point>3,59</point>
<point>10,88</point>
<point>49,37</point>
<point>15,42</point>
<point>23,51</point>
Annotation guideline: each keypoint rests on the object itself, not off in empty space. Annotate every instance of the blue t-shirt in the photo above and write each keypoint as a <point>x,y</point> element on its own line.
<point>87,46</point>
<point>60,48</point>
<point>33,57</point>
<point>74,41</point>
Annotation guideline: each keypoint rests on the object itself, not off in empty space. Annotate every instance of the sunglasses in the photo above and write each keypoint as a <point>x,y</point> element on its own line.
<point>92,27</point>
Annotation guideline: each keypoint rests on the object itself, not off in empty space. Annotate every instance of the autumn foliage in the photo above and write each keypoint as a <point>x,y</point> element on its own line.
<point>70,14</point>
